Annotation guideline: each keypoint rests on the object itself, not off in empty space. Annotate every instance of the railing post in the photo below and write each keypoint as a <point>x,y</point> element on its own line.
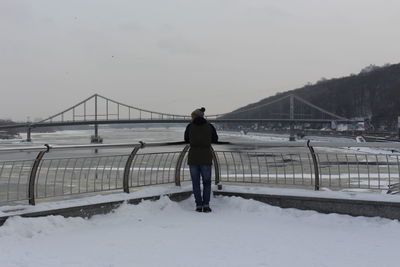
<point>32,177</point>
<point>128,165</point>
<point>217,169</point>
<point>179,165</point>
<point>316,170</point>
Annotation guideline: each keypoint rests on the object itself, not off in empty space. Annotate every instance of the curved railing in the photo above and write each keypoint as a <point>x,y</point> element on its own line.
<point>66,171</point>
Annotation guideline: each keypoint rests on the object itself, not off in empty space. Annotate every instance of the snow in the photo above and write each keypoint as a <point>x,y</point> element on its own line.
<point>350,193</point>
<point>270,137</point>
<point>164,233</point>
<point>255,136</point>
<point>96,199</point>
<point>370,150</point>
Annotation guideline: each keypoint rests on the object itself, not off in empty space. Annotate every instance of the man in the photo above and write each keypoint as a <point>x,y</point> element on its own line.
<point>200,134</point>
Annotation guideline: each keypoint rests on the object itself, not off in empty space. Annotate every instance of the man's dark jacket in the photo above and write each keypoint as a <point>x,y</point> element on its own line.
<point>200,134</point>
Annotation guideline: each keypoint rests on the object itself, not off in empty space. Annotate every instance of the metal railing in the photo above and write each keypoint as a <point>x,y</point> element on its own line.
<point>52,174</point>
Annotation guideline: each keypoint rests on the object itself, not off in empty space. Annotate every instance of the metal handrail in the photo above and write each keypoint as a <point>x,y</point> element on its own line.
<point>128,165</point>
<point>315,162</point>
<point>32,177</point>
<point>96,146</point>
<point>167,162</point>
<point>393,145</point>
<point>179,165</point>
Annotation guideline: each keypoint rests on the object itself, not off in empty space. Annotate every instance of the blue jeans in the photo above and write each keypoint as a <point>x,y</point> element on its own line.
<point>205,172</point>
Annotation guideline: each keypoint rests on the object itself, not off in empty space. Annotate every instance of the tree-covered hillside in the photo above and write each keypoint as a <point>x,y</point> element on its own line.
<point>374,93</point>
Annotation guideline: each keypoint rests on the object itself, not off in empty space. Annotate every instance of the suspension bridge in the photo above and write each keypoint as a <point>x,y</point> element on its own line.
<point>97,110</point>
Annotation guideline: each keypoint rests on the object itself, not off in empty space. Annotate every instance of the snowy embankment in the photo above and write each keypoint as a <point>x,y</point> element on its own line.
<point>349,194</point>
<point>164,233</point>
<point>151,191</point>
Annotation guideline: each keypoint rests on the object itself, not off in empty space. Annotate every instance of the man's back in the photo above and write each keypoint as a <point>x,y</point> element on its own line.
<point>200,134</point>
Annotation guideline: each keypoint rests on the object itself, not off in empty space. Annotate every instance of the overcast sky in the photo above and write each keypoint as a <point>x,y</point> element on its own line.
<point>175,55</point>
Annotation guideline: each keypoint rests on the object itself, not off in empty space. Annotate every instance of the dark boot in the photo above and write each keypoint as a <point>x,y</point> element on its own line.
<point>199,209</point>
<point>207,209</point>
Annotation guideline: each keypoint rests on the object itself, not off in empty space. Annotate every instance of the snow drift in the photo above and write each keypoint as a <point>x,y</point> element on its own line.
<point>238,232</point>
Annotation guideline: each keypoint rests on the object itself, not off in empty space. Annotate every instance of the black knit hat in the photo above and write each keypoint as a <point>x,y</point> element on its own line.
<point>199,112</point>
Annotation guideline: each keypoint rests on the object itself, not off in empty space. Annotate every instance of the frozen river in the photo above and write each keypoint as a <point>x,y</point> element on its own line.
<point>145,134</point>
<point>110,135</point>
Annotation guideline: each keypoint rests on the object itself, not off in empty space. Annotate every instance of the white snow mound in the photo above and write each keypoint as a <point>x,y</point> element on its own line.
<point>238,232</point>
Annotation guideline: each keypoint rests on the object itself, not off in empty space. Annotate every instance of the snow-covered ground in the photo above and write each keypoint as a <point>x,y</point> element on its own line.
<point>150,191</point>
<point>350,194</point>
<point>164,233</point>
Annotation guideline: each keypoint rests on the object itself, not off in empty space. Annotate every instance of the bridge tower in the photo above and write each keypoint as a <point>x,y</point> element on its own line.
<point>28,134</point>
<point>96,139</point>
<point>291,137</point>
